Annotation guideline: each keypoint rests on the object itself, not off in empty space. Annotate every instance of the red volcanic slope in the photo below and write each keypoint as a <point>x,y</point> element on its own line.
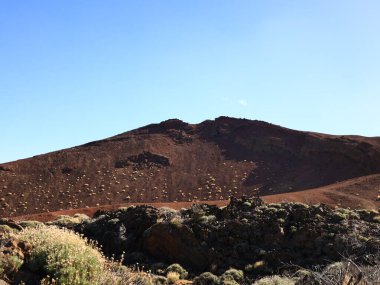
<point>359,192</point>
<point>176,161</point>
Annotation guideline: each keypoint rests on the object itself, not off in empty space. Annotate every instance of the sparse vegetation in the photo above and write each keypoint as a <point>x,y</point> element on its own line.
<point>234,274</point>
<point>177,268</point>
<point>275,280</point>
<point>30,224</point>
<point>246,242</point>
<point>69,221</point>
<point>172,277</point>
<point>207,278</point>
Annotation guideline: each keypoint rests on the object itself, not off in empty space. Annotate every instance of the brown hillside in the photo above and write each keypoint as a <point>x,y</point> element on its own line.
<point>176,161</point>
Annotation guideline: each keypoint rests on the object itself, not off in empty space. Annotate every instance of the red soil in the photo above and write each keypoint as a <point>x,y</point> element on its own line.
<point>175,161</point>
<point>359,192</point>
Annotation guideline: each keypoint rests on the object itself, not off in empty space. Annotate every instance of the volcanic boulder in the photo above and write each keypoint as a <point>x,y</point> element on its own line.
<point>175,243</point>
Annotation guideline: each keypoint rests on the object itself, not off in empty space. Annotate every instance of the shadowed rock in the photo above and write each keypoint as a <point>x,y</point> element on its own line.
<point>175,243</point>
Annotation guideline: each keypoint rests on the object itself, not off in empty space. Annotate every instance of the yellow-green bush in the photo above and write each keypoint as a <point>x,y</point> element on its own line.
<point>63,255</point>
<point>65,220</point>
<point>206,278</point>
<point>234,274</point>
<point>30,224</point>
<point>69,259</point>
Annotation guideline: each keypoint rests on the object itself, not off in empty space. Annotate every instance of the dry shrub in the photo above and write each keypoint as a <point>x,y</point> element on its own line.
<point>68,258</point>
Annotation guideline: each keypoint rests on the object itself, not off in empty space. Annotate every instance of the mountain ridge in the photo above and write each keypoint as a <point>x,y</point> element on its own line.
<point>176,161</point>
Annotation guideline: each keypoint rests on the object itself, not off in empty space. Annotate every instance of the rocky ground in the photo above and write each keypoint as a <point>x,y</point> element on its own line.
<point>178,162</point>
<point>291,242</point>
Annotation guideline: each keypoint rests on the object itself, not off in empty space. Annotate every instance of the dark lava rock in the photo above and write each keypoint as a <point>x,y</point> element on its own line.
<point>10,223</point>
<point>175,243</point>
<point>120,231</point>
<point>245,234</point>
<point>143,160</point>
<point>12,255</point>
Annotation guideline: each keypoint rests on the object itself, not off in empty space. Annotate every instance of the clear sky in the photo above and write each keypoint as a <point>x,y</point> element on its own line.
<point>76,71</point>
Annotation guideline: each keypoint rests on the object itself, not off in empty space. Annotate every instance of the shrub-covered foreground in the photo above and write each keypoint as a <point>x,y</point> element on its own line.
<point>247,242</point>
<point>50,255</point>
<point>63,255</point>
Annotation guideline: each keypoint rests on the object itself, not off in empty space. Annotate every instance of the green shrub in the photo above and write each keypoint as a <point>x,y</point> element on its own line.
<point>302,273</point>
<point>229,282</point>
<point>141,279</point>
<point>65,221</point>
<point>178,269</point>
<point>63,255</point>
<point>234,274</point>
<point>6,230</point>
<point>207,219</point>
<point>30,224</point>
<point>207,278</point>
<point>9,264</point>
<point>339,216</point>
<point>2,269</point>
<point>66,258</point>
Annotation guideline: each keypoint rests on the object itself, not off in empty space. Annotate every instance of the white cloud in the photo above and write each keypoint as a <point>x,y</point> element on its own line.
<point>243,102</point>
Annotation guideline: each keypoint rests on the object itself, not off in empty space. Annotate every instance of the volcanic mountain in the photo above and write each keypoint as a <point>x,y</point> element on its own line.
<point>174,161</point>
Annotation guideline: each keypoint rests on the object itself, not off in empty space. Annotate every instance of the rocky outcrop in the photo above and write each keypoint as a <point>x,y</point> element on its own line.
<point>10,223</point>
<point>143,160</point>
<point>121,231</point>
<point>248,234</point>
<point>175,243</point>
<point>12,253</point>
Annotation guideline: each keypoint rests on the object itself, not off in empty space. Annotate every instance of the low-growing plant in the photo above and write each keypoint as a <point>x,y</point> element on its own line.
<point>140,279</point>
<point>30,224</point>
<point>275,280</point>
<point>178,269</point>
<point>67,258</point>
<point>234,274</point>
<point>65,220</point>
<point>63,255</point>
<point>6,230</point>
<point>206,278</point>
<point>1,268</point>
<point>172,277</point>
<point>9,264</point>
<point>207,219</point>
<point>167,214</point>
<point>229,281</point>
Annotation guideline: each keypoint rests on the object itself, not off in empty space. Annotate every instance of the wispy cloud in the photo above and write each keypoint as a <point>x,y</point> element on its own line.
<point>243,102</point>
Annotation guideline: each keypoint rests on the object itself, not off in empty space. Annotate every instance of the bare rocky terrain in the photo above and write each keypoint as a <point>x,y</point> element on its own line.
<point>178,162</point>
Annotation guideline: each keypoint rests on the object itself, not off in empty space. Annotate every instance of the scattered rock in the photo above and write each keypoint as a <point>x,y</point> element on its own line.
<point>143,160</point>
<point>12,255</point>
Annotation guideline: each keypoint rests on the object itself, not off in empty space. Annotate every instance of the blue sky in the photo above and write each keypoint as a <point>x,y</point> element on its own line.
<point>76,71</point>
